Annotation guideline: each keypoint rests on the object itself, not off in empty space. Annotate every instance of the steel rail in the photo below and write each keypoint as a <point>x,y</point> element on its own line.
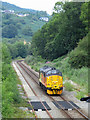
<point>31,70</point>
<point>35,93</point>
<point>30,73</point>
<point>61,108</point>
<point>26,93</point>
<point>49,96</point>
<point>75,108</point>
<point>59,96</point>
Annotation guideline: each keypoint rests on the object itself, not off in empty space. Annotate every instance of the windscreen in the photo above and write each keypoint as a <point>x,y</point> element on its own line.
<point>53,72</point>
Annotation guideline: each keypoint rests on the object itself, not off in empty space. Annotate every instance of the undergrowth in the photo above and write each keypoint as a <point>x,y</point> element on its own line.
<point>11,99</point>
<point>68,86</point>
<point>79,76</point>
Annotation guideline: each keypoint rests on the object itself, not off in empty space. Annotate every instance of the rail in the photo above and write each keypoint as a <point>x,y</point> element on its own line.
<point>34,91</point>
<point>36,77</point>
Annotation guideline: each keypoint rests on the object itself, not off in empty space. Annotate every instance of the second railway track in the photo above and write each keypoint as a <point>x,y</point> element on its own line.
<point>35,77</point>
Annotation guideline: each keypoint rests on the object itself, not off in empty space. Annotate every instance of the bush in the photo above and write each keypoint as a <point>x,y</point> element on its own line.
<point>9,31</point>
<point>10,94</point>
<point>27,31</point>
<point>32,60</point>
<point>80,95</point>
<point>68,86</point>
<point>79,57</point>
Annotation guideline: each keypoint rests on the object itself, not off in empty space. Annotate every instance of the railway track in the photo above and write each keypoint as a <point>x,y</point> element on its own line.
<point>35,77</point>
<point>26,93</point>
<point>35,95</point>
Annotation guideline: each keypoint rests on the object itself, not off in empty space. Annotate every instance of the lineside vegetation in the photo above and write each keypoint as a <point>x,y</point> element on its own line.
<point>11,99</point>
<point>73,67</point>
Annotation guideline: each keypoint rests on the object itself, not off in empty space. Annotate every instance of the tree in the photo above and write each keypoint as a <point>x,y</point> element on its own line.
<point>58,7</point>
<point>61,34</point>
<point>79,57</point>
<point>13,50</point>
<point>27,31</point>
<point>6,58</point>
<point>9,31</point>
<point>21,49</point>
<point>7,16</point>
<point>85,14</point>
<point>38,43</point>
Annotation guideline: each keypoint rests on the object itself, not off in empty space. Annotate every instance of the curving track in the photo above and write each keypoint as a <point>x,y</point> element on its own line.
<point>35,78</point>
<point>34,93</point>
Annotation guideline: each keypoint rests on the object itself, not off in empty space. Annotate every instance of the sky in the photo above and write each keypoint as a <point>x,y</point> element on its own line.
<point>44,5</point>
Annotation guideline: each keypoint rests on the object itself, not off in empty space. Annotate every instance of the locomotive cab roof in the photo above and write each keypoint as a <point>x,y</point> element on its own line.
<point>45,69</point>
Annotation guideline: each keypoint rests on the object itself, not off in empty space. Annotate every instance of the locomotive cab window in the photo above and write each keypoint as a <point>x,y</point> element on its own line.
<point>54,72</point>
<point>48,73</point>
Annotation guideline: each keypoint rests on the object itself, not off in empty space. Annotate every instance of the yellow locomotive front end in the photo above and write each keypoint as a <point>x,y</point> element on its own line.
<point>54,82</point>
<point>51,80</point>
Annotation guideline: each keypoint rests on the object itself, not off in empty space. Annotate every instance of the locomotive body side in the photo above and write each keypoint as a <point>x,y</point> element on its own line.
<point>51,81</point>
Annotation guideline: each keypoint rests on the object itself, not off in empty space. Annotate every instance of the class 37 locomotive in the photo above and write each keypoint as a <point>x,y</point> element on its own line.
<point>51,80</point>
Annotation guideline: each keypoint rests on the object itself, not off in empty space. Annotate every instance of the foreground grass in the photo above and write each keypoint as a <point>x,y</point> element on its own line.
<point>79,76</point>
<point>11,99</point>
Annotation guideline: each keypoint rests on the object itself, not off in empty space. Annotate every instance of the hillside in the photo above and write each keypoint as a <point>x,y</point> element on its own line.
<point>25,21</point>
<point>8,6</point>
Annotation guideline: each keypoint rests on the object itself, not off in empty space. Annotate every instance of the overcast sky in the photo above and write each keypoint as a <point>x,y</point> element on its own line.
<point>45,5</point>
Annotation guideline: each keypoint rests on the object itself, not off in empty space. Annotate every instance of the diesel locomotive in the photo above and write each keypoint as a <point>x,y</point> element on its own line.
<point>51,80</point>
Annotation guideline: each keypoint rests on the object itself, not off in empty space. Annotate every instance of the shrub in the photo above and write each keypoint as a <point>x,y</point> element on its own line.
<point>27,31</point>
<point>9,31</point>
<point>80,95</point>
<point>68,86</point>
<point>79,57</point>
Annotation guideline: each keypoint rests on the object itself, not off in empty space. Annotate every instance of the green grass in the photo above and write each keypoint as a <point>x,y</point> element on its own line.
<point>79,94</point>
<point>11,99</point>
<point>68,86</point>
<point>23,114</point>
<point>79,76</point>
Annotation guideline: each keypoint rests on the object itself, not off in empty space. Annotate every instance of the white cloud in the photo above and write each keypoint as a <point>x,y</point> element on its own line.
<point>45,5</point>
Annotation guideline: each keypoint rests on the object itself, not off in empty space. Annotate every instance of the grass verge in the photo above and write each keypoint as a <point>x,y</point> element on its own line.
<point>79,76</point>
<point>11,99</point>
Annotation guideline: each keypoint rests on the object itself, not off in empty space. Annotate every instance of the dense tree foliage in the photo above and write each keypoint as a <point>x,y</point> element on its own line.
<point>62,33</point>
<point>85,16</point>
<point>6,58</point>
<point>16,29</point>
<point>58,7</point>
<point>13,50</point>
<point>9,31</point>
<point>17,49</point>
<point>59,36</point>
<point>27,31</point>
<point>80,57</point>
<point>10,93</point>
<point>21,49</point>
<point>14,25</point>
